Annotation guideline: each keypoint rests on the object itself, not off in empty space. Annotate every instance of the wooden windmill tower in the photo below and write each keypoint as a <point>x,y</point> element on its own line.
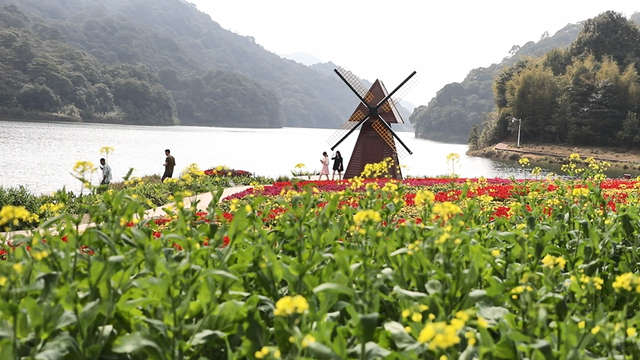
<point>377,109</point>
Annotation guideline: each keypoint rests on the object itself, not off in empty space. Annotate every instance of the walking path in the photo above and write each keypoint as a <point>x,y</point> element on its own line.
<point>506,147</point>
<point>203,201</point>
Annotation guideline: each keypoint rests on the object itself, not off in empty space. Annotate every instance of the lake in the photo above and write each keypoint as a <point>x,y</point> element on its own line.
<point>41,155</point>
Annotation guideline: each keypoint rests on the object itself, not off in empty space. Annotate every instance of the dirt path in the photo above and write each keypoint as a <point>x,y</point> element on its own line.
<point>603,154</point>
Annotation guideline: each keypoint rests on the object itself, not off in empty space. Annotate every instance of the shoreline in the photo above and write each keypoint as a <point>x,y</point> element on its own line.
<point>622,159</point>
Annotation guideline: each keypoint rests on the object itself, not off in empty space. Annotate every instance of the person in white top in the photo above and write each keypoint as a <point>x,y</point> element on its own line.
<point>325,165</point>
<point>106,172</point>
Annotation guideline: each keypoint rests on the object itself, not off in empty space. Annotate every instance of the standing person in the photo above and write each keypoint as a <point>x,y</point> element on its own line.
<point>325,165</point>
<point>337,165</point>
<point>106,172</point>
<point>169,164</point>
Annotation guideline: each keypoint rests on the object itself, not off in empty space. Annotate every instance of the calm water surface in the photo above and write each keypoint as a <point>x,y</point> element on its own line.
<point>41,155</point>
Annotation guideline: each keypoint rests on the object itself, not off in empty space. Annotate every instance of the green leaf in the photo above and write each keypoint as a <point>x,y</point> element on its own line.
<point>434,287</point>
<point>369,323</point>
<point>399,335</point>
<point>67,318</point>
<point>544,347</point>
<point>332,287</point>
<point>371,351</point>
<point>51,354</point>
<point>204,335</point>
<point>219,273</point>
<point>131,343</point>
<point>321,351</point>
<point>408,294</point>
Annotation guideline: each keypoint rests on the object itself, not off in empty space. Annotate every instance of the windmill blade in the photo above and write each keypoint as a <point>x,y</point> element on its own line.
<point>345,130</point>
<point>400,94</point>
<point>387,136</point>
<point>393,133</point>
<point>411,81</point>
<point>353,81</point>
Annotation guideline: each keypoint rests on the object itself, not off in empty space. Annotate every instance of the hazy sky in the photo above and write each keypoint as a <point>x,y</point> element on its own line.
<point>441,40</point>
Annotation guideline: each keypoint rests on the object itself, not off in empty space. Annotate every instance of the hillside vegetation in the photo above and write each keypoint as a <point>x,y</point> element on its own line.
<point>451,114</point>
<point>587,94</point>
<point>43,77</point>
<point>214,76</point>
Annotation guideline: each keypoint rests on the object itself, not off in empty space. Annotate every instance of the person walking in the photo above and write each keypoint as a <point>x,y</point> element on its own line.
<point>337,165</point>
<point>169,164</point>
<point>325,165</point>
<point>106,172</point>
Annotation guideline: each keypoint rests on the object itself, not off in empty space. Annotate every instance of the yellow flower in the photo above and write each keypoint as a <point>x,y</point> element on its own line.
<point>581,324</point>
<point>439,335</point>
<point>416,317</point>
<point>276,354</point>
<point>406,313</point>
<point>580,192</point>
<point>40,255</point>
<point>17,267</point>
<point>446,209</point>
<point>551,261</point>
<point>482,322</point>
<point>407,329</point>
<point>524,162</point>
<point>631,332</point>
<point>424,197</point>
<point>595,330</point>
<point>462,315</point>
<point>423,307</point>
<point>308,339</point>
<point>495,252</point>
<point>3,281</point>
<point>290,305</point>
<point>15,214</point>
<point>363,216</point>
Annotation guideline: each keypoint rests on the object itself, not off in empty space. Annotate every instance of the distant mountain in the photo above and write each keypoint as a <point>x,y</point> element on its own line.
<point>302,58</point>
<point>216,77</point>
<point>450,115</point>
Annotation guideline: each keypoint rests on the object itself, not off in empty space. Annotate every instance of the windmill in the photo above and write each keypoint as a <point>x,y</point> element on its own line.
<point>377,109</point>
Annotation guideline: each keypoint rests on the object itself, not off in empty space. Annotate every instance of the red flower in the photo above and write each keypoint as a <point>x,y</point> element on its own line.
<point>225,242</point>
<point>87,250</point>
<point>64,238</point>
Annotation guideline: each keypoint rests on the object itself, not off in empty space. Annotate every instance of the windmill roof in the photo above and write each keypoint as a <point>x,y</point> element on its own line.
<point>379,92</point>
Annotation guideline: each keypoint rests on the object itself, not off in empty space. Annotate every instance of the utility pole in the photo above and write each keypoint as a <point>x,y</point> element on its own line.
<point>519,125</point>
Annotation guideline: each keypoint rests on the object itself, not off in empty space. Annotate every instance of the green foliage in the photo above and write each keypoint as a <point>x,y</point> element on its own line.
<point>582,96</point>
<point>44,77</point>
<point>457,106</point>
<point>216,77</point>
<point>552,276</point>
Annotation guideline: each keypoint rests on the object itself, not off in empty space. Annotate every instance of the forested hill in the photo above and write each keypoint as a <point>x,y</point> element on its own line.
<point>215,77</point>
<point>43,77</point>
<point>450,115</point>
<point>585,94</point>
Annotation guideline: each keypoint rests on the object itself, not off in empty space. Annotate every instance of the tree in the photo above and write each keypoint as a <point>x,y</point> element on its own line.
<point>608,34</point>
<point>474,137</point>
<point>39,98</point>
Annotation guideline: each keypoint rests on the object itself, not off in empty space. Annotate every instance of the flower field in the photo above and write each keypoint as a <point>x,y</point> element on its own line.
<point>358,269</point>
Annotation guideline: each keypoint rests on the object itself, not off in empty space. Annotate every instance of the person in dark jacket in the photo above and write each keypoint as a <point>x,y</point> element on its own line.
<point>169,164</point>
<point>337,165</point>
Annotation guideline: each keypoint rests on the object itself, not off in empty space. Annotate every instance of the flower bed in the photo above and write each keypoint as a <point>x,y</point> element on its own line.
<point>423,268</point>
